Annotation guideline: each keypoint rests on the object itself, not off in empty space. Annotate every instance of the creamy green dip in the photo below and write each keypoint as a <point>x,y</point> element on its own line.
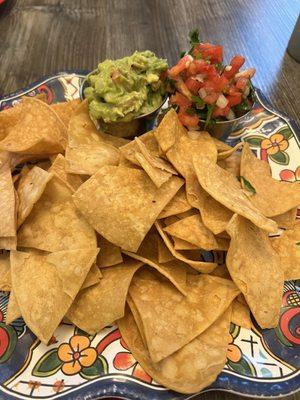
<point>120,90</point>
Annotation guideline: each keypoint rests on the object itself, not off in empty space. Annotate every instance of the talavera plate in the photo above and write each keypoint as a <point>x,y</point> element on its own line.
<point>260,363</point>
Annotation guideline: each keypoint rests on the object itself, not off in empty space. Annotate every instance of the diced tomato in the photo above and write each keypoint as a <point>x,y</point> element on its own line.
<point>183,64</point>
<point>233,91</point>
<point>209,51</point>
<point>180,100</point>
<point>193,85</point>
<point>196,67</point>
<point>189,120</point>
<point>241,83</point>
<point>234,100</point>
<point>235,64</point>
<point>211,98</point>
<point>219,82</point>
<point>220,112</point>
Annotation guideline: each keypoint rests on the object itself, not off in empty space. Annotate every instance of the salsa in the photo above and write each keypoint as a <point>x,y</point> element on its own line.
<point>203,88</point>
<point>121,90</point>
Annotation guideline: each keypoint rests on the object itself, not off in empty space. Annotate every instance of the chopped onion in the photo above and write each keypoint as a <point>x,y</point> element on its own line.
<point>202,93</point>
<point>246,92</point>
<point>248,73</point>
<point>198,77</point>
<point>228,67</point>
<point>222,101</point>
<point>230,115</point>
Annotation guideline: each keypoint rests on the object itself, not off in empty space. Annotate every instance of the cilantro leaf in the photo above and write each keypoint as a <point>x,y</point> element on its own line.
<point>190,111</point>
<point>210,109</point>
<point>197,100</point>
<point>247,185</point>
<point>194,37</point>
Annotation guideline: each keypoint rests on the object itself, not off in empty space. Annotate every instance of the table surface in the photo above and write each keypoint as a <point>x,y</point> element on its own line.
<point>46,36</point>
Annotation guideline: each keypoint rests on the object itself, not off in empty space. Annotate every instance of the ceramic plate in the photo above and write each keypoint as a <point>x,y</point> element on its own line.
<point>260,363</point>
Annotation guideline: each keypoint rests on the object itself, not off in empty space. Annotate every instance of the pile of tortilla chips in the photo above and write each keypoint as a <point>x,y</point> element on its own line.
<point>96,229</point>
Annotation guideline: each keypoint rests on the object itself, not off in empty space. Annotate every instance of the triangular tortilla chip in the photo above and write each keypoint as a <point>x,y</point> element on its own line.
<point>271,197</point>
<point>33,128</point>
<point>226,189</point>
<point>89,149</point>
<point>206,353</point>
<point>8,243</point>
<point>127,196</point>
<point>214,215</point>
<point>180,244</point>
<point>30,189</point>
<point>169,131</point>
<point>102,304</point>
<point>222,155</point>
<point>7,199</point>
<point>58,168</point>
<point>255,268</point>
<point>231,164</point>
<point>149,141</point>
<point>109,254</point>
<point>13,311</point>
<point>65,110</point>
<point>169,319</point>
<point>157,175</point>
<point>93,277</point>
<point>286,220</point>
<point>45,286</point>
<point>164,254</point>
<point>241,314</point>
<point>5,278</point>
<point>55,224</point>
<point>177,205</point>
<point>221,271</point>
<point>200,266</point>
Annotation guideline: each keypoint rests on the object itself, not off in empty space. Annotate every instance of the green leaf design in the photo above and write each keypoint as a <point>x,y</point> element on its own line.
<point>254,141</point>
<point>243,367</point>
<point>80,332</point>
<point>234,330</point>
<point>11,344</point>
<point>48,365</point>
<point>100,367</point>
<point>247,185</point>
<point>280,158</point>
<point>286,132</point>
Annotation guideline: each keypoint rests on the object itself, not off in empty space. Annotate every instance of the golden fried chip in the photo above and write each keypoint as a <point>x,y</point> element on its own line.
<point>271,197</point>
<point>45,286</point>
<point>286,220</point>
<point>221,271</point>
<point>89,149</point>
<point>171,320</point>
<point>241,314</point>
<point>58,168</point>
<point>174,371</point>
<point>65,110</point>
<point>30,188</point>
<point>5,279</point>
<point>222,155</point>
<point>164,254</point>
<point>127,196</point>
<point>157,175</point>
<point>8,243</point>
<point>7,202</point>
<point>109,254</point>
<point>13,311</point>
<point>214,215</point>
<point>180,244</point>
<point>55,224</point>
<point>102,304</point>
<point>33,128</point>
<point>192,230</point>
<point>255,268</point>
<point>200,266</point>
<point>177,205</point>
<point>232,164</point>
<point>226,189</point>
<point>93,277</point>
<point>128,151</point>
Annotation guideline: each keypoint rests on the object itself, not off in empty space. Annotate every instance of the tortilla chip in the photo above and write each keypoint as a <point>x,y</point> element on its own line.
<point>272,197</point>
<point>169,319</point>
<point>149,141</point>
<point>65,110</point>
<point>221,271</point>
<point>222,155</point>
<point>93,277</point>
<point>286,220</point>
<point>157,175</point>
<point>177,205</point>
<point>164,254</point>
<point>58,168</point>
<point>13,311</point>
<point>5,279</point>
<point>33,128</point>
<point>88,149</point>
<point>125,195</point>
<point>226,189</point>
<point>180,244</point>
<point>102,304</point>
<point>231,164</point>
<point>192,230</point>
<point>54,280</point>
<point>30,189</point>
<point>8,243</point>
<point>174,372</point>
<point>200,266</point>
<point>55,224</point>
<point>109,254</point>
<point>215,216</point>
<point>221,146</point>
<point>7,199</point>
<point>169,131</point>
<point>241,314</point>
<point>288,248</point>
<point>255,268</point>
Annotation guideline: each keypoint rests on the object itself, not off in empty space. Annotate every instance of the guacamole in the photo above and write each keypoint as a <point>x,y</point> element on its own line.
<point>120,90</point>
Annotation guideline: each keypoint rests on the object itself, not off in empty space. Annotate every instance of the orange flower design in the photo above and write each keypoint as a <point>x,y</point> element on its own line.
<point>234,353</point>
<point>277,142</point>
<point>76,354</point>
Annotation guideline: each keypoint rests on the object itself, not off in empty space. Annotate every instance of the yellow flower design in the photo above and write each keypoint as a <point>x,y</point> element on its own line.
<point>76,354</point>
<point>234,353</point>
<point>277,142</point>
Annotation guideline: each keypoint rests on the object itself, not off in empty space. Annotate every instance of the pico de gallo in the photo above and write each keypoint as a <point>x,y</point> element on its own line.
<point>203,88</point>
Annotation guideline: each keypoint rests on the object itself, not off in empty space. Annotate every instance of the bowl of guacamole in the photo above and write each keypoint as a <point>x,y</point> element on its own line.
<point>124,95</point>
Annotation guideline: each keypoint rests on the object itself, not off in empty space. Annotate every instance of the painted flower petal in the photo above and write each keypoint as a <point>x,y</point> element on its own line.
<point>139,373</point>
<point>124,361</point>
<point>277,138</point>
<point>287,175</point>
<point>79,343</point>
<point>71,368</point>
<point>266,144</point>
<point>273,150</point>
<point>88,357</point>
<point>297,173</point>
<point>65,352</point>
<point>283,145</point>
<point>234,354</point>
